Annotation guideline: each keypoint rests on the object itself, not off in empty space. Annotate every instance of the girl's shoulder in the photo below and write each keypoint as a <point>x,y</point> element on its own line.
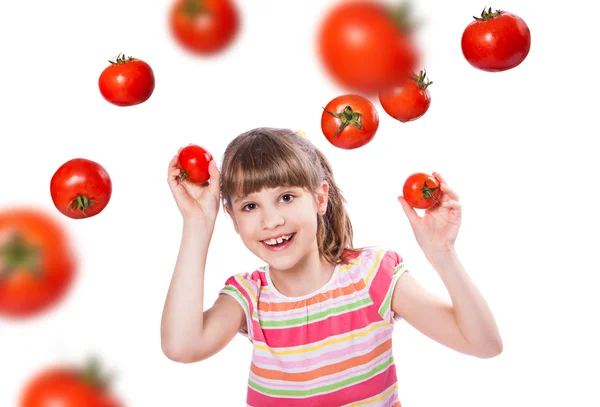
<point>250,281</point>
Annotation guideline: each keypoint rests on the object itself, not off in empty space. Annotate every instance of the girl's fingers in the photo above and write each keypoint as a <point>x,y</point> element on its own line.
<point>453,205</point>
<point>173,163</point>
<point>449,191</point>
<point>411,214</point>
<point>215,178</point>
<point>439,177</point>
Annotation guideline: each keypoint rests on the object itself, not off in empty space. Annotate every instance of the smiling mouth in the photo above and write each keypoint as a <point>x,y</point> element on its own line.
<point>280,242</point>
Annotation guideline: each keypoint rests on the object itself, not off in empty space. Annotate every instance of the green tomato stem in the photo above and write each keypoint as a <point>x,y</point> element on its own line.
<point>194,7</point>
<point>93,375</point>
<point>80,203</point>
<point>121,59</point>
<point>16,254</point>
<point>420,80</point>
<point>488,15</point>
<point>183,175</point>
<point>349,117</point>
<point>428,192</point>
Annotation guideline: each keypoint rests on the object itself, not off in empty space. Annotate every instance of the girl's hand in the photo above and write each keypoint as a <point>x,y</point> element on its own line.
<point>197,203</point>
<point>436,231</point>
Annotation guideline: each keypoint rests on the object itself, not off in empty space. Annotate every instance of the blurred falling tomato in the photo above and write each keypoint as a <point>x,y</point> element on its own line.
<point>69,386</point>
<point>367,45</point>
<point>37,263</point>
<point>204,27</point>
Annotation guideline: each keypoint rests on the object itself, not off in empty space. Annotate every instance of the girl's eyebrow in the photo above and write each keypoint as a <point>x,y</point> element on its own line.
<point>240,198</point>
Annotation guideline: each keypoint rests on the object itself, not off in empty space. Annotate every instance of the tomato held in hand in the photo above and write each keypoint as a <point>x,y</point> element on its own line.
<point>193,161</point>
<point>204,27</point>
<point>67,386</point>
<point>349,121</point>
<point>496,41</point>
<point>80,188</point>
<point>366,45</point>
<point>422,191</point>
<point>408,101</point>
<point>127,81</point>
<point>37,262</point>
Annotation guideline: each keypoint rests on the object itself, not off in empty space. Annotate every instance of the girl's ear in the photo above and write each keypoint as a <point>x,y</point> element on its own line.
<point>235,226</point>
<point>322,198</point>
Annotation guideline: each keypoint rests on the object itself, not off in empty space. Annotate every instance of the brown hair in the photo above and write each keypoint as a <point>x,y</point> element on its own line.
<point>268,158</point>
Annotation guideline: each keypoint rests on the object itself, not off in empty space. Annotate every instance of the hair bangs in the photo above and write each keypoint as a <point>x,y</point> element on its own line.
<point>265,163</point>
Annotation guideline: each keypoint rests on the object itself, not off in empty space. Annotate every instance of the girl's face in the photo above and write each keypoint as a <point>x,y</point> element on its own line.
<point>279,225</point>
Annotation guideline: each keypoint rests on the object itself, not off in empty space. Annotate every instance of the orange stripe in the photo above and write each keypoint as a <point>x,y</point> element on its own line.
<point>287,306</point>
<point>325,370</point>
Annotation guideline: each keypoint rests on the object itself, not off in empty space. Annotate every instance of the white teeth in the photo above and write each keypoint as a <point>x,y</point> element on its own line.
<point>280,239</point>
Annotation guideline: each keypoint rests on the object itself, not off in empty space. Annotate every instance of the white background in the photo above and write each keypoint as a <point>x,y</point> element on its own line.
<point>516,146</point>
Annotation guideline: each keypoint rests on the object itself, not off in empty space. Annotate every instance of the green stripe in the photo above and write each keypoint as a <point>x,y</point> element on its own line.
<point>323,389</point>
<point>317,316</point>
<point>239,295</point>
<point>388,297</point>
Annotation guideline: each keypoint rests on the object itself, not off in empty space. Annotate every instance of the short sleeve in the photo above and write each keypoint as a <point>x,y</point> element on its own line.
<point>244,288</point>
<point>382,268</point>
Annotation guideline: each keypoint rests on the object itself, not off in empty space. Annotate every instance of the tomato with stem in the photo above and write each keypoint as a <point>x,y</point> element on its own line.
<point>366,45</point>
<point>80,188</point>
<point>422,191</point>
<point>409,101</point>
<point>204,27</point>
<point>193,161</point>
<point>127,81</point>
<point>37,262</point>
<point>70,386</point>
<point>349,121</point>
<point>496,41</point>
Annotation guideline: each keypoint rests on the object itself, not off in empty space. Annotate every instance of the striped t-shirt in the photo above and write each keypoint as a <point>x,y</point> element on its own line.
<point>329,348</point>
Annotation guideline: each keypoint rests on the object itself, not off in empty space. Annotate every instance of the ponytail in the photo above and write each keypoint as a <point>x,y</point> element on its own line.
<point>334,229</point>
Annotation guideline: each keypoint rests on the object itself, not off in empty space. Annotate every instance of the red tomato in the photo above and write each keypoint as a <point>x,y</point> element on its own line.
<point>127,81</point>
<point>496,41</point>
<point>409,101</point>
<point>66,386</point>
<point>193,161</point>
<point>37,263</point>
<point>366,45</point>
<point>421,191</point>
<point>80,188</point>
<point>204,26</point>
<point>349,121</point>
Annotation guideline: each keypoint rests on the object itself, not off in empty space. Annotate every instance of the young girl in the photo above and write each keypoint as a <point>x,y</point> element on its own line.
<point>319,313</point>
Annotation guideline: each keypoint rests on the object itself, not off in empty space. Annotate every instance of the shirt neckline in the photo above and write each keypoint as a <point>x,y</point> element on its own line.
<point>303,297</point>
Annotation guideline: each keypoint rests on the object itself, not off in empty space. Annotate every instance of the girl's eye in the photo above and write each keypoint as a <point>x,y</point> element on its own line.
<point>248,207</point>
<point>285,198</point>
<point>290,197</point>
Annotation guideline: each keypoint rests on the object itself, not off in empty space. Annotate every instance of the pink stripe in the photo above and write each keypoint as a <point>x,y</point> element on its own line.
<point>380,283</point>
<point>358,392</point>
<point>274,362</point>
<point>324,381</point>
<point>319,330</point>
<point>302,312</point>
<point>242,289</point>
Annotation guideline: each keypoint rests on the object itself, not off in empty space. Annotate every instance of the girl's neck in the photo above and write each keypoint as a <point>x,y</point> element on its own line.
<point>308,275</point>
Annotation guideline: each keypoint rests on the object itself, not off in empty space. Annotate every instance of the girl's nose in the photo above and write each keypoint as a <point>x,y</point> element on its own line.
<point>272,220</point>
